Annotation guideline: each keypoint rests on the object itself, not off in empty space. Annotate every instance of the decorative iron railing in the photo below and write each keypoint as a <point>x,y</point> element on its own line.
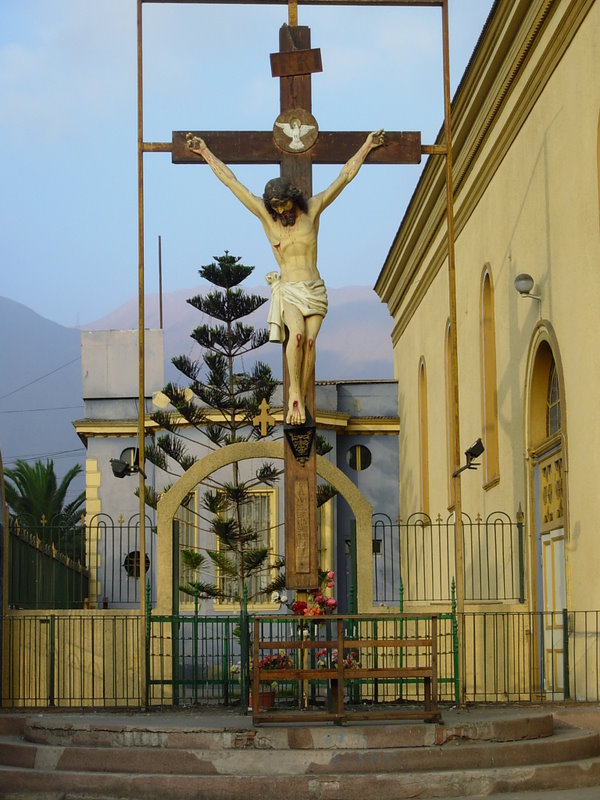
<point>56,564</point>
<point>419,555</point>
<point>115,561</point>
<point>47,563</point>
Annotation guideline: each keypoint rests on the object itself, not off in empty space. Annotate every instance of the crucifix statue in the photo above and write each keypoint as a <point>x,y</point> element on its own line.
<point>290,214</point>
<point>298,297</point>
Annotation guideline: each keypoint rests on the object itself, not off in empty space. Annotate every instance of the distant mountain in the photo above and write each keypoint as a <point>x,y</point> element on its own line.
<point>40,383</point>
<point>354,342</point>
<point>40,390</point>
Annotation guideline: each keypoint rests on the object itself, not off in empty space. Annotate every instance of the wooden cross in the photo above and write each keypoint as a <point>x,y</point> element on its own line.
<point>293,66</point>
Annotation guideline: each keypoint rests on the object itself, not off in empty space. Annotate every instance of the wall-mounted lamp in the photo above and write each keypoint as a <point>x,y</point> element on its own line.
<point>300,438</point>
<point>524,285</point>
<point>128,463</point>
<point>471,453</point>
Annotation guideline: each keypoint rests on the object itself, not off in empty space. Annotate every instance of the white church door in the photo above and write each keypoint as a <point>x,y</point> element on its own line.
<point>552,595</point>
<point>546,447</point>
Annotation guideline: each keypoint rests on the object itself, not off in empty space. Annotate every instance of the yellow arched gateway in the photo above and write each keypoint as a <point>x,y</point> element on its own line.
<point>171,500</point>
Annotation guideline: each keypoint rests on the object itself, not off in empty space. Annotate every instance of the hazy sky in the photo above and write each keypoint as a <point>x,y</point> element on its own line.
<point>68,237</point>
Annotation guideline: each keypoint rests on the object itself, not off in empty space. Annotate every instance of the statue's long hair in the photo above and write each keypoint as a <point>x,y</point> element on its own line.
<point>283,189</point>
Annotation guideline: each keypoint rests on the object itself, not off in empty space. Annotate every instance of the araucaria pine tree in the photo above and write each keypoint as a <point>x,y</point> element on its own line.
<point>220,401</point>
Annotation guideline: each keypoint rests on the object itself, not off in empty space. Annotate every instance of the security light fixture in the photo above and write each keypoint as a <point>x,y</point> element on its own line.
<point>300,438</point>
<point>128,463</point>
<point>524,285</point>
<point>471,453</point>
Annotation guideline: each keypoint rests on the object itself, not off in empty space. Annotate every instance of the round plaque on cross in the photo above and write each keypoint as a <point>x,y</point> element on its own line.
<point>295,130</point>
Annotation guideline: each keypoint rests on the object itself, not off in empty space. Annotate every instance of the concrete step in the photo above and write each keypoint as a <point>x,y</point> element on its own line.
<point>566,745</point>
<point>58,756</point>
<point>193,732</point>
<point>395,786</point>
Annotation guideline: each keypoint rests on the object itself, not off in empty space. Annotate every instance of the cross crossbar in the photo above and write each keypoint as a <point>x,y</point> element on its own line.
<point>258,147</point>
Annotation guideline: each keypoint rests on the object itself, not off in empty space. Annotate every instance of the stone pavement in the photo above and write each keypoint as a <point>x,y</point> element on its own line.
<point>586,716</point>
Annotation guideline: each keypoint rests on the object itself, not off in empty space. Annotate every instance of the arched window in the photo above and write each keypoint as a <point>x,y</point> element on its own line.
<point>450,416</point>
<point>553,415</point>
<point>545,411</point>
<point>423,439</point>
<point>489,386</point>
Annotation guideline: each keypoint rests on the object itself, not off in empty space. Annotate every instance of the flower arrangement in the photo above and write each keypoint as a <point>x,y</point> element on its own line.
<point>350,659</point>
<point>319,604</point>
<point>280,660</point>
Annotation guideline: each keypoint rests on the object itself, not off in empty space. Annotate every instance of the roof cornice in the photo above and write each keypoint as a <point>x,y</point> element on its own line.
<point>326,420</point>
<point>511,39</point>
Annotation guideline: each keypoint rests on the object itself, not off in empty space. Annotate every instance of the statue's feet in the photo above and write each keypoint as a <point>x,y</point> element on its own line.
<point>296,413</point>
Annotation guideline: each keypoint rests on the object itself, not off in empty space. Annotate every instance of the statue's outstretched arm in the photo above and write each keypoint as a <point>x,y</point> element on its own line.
<point>349,170</point>
<point>226,176</point>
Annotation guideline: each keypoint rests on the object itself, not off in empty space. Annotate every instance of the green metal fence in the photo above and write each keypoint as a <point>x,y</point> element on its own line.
<point>197,659</point>
<point>508,656</point>
<point>193,659</point>
<point>531,656</point>
<point>98,659</point>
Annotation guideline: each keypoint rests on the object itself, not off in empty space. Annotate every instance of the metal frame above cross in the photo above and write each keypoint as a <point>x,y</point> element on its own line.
<point>293,65</point>
<point>442,147</point>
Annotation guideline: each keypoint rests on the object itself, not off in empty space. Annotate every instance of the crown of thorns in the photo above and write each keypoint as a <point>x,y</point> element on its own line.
<point>282,189</point>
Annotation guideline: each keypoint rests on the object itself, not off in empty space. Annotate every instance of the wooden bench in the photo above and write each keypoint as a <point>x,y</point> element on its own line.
<point>338,674</point>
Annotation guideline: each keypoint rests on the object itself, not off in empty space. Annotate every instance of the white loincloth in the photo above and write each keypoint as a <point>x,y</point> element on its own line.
<point>309,297</point>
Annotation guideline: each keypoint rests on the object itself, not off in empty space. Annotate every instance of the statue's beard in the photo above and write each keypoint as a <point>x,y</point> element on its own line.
<point>288,218</point>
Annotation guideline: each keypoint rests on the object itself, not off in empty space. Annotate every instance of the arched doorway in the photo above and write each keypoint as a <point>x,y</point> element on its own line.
<point>547,457</point>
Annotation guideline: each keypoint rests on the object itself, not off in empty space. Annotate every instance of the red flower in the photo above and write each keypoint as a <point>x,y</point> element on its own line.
<point>299,607</point>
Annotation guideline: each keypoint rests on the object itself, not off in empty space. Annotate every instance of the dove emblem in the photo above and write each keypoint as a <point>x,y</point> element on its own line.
<point>295,131</point>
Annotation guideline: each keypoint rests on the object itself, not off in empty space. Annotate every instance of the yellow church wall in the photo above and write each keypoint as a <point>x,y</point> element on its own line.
<point>527,203</point>
<point>543,201</point>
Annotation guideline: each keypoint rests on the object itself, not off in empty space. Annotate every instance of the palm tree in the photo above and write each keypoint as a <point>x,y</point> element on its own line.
<point>37,501</point>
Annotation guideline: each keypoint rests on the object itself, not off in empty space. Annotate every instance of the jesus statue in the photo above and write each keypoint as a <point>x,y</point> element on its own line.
<point>298,295</point>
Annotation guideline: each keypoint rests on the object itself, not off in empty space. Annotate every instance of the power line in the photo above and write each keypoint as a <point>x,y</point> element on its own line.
<point>35,456</point>
<point>41,378</point>
<point>32,410</point>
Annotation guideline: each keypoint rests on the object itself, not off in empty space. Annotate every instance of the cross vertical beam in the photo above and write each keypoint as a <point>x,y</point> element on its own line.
<point>300,479</point>
<point>295,92</point>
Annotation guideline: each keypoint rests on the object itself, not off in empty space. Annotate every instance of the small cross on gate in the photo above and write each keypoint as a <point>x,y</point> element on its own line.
<point>264,419</point>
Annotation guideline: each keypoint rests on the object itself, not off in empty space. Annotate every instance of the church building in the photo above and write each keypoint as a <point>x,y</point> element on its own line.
<point>526,173</point>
